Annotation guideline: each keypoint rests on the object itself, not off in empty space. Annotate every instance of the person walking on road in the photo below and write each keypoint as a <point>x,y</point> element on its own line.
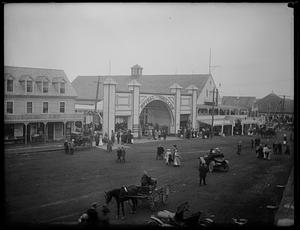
<point>97,138</point>
<point>239,148</point>
<point>113,139</point>
<point>160,152</point>
<point>266,151</point>
<point>109,146</point>
<point>66,146</point>
<point>177,157</point>
<point>118,137</point>
<point>72,146</point>
<point>203,170</point>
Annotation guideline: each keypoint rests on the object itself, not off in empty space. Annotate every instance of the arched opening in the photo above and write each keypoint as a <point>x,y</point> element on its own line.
<point>156,115</point>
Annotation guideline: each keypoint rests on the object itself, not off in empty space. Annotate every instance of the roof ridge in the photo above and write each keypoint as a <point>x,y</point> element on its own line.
<point>206,75</point>
<point>31,67</point>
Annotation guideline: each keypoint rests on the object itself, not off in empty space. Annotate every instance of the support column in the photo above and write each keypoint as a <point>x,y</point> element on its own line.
<point>65,129</point>
<point>134,87</point>
<point>176,89</point>
<point>54,131</point>
<point>222,129</point>
<point>232,126</point>
<point>25,134</point>
<point>109,106</point>
<point>193,90</point>
<point>45,132</point>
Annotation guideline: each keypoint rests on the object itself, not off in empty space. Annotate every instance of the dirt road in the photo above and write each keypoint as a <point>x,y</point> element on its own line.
<point>52,187</point>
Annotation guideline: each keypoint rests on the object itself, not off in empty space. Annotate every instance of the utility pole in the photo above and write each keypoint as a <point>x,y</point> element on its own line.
<point>283,102</point>
<point>97,93</point>
<point>212,114</point>
<point>209,65</point>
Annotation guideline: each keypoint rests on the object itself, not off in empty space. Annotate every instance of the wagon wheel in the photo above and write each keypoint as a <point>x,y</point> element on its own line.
<point>165,194</point>
<point>226,167</point>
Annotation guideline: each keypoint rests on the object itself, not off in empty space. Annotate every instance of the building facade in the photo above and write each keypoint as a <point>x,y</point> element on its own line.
<point>143,102</point>
<point>39,105</point>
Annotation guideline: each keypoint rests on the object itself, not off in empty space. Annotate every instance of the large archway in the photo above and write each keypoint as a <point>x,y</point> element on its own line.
<point>155,115</point>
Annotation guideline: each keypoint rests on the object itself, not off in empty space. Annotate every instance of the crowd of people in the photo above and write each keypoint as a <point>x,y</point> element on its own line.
<point>171,156</point>
<point>193,133</point>
<point>264,151</point>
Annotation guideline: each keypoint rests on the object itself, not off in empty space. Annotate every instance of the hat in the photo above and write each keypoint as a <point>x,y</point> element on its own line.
<point>175,146</point>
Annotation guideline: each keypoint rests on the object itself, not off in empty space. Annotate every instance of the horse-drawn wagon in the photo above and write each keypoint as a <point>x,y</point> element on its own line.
<point>154,196</point>
<point>147,192</point>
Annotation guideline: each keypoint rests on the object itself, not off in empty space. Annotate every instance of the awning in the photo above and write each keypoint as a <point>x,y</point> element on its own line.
<point>89,107</point>
<point>216,122</point>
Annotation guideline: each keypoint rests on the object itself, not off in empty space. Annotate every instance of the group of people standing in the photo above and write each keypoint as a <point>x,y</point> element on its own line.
<point>171,156</point>
<point>265,151</point>
<point>69,147</point>
<point>158,134</point>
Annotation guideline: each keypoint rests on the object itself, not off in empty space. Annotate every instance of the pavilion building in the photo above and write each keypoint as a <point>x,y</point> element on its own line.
<point>142,102</point>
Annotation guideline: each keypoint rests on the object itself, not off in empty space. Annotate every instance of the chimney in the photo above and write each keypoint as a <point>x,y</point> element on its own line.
<point>136,71</point>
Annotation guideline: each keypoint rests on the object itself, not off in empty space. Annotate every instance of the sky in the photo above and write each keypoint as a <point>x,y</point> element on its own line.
<point>252,44</point>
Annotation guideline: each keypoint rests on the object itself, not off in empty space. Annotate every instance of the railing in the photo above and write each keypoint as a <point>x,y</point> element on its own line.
<point>42,117</point>
<point>221,117</point>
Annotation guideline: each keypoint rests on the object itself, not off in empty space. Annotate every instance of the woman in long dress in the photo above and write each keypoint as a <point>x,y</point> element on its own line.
<point>177,157</point>
<point>167,156</point>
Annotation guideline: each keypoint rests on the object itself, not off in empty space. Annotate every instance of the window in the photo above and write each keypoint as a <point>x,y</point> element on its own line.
<point>45,107</point>
<point>9,85</point>
<point>45,87</point>
<point>61,107</point>
<point>39,86</point>
<point>29,86</point>
<point>9,107</point>
<point>29,107</point>
<point>62,87</point>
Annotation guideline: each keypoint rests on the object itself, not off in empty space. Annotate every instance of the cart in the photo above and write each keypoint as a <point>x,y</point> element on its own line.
<point>153,196</point>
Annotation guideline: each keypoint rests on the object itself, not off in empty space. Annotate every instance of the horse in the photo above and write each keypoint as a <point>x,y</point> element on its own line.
<point>122,194</point>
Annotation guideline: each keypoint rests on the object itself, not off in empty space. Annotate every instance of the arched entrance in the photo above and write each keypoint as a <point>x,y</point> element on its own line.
<point>155,115</point>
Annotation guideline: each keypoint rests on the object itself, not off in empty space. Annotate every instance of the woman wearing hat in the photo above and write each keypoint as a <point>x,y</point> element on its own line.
<point>176,157</point>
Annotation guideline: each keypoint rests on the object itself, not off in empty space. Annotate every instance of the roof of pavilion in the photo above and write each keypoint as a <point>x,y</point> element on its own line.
<point>86,86</point>
<point>244,102</point>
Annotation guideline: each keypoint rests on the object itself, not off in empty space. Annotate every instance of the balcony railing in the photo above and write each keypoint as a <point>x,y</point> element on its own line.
<point>216,117</point>
<point>25,117</point>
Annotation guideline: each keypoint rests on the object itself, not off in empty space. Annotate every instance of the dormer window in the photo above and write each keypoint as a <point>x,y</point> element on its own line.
<point>10,85</point>
<point>26,82</point>
<point>9,82</point>
<point>59,84</point>
<point>62,88</point>
<point>45,86</point>
<point>29,86</point>
<point>42,83</point>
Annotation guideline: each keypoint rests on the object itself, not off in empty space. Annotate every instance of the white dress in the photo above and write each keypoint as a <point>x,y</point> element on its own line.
<point>177,159</point>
